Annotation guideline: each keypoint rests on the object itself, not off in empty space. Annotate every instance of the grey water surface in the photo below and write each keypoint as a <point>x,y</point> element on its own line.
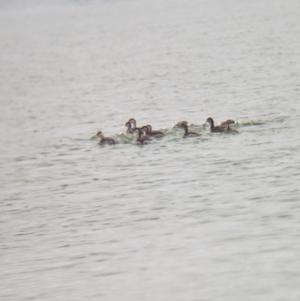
<point>210,218</point>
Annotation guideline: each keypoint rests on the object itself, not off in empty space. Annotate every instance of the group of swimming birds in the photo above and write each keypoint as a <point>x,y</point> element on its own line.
<point>145,133</point>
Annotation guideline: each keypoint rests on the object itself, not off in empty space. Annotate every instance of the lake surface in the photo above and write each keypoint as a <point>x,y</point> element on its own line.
<point>208,218</point>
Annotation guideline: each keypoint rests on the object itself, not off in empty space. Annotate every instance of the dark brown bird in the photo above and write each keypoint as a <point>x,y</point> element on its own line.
<point>229,130</point>
<point>133,121</point>
<point>105,140</point>
<point>213,128</point>
<point>155,134</point>
<point>141,139</point>
<point>129,128</point>
<point>228,121</point>
<point>180,123</point>
<point>187,133</point>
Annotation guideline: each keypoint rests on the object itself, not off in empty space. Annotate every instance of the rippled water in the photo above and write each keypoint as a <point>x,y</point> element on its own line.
<point>208,218</point>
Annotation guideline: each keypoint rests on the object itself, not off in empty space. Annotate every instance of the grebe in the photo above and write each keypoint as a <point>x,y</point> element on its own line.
<point>155,134</point>
<point>133,121</point>
<point>187,133</point>
<point>180,123</point>
<point>229,129</point>
<point>105,140</point>
<point>215,129</point>
<point>228,121</point>
<point>145,130</point>
<point>131,125</point>
<point>141,139</point>
<point>129,129</point>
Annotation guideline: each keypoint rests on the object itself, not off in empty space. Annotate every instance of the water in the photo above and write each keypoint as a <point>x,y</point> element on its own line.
<point>210,218</point>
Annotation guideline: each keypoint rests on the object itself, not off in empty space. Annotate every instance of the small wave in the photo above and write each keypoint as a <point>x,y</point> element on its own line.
<point>249,123</point>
